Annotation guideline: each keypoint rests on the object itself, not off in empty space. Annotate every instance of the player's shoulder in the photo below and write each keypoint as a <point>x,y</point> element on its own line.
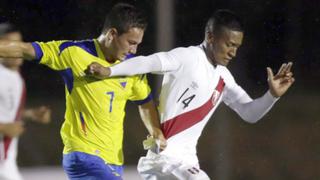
<point>186,55</point>
<point>5,73</point>
<point>226,74</point>
<point>187,50</point>
<point>85,45</point>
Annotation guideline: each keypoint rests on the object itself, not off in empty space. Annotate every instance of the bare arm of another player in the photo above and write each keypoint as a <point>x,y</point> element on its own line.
<point>150,118</point>
<point>12,129</point>
<point>40,114</point>
<point>16,49</point>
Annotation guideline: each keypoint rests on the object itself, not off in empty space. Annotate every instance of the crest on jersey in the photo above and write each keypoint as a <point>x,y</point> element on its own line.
<point>215,97</point>
<point>123,84</point>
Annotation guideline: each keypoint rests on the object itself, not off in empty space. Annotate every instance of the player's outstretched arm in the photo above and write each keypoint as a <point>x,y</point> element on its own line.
<point>282,81</point>
<point>12,129</point>
<point>134,66</point>
<point>253,110</point>
<point>16,49</point>
<point>150,118</point>
<point>40,114</point>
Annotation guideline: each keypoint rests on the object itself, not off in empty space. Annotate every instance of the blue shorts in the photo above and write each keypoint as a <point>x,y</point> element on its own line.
<point>82,166</point>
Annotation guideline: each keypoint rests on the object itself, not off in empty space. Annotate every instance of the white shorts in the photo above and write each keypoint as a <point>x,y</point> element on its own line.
<point>161,167</point>
<point>9,171</point>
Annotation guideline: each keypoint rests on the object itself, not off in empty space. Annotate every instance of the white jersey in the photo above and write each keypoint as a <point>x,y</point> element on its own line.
<point>12,97</point>
<point>189,96</point>
<point>192,89</point>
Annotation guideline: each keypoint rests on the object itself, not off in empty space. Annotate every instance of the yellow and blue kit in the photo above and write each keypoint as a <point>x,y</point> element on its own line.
<point>95,109</point>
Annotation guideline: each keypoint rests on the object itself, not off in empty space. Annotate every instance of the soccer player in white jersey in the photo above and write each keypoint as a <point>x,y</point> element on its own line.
<point>195,82</point>
<point>12,100</point>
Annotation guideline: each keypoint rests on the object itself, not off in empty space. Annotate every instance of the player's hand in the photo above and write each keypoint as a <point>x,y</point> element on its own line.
<point>97,70</point>
<point>282,81</point>
<point>155,144</point>
<point>40,114</point>
<point>161,142</point>
<point>13,129</point>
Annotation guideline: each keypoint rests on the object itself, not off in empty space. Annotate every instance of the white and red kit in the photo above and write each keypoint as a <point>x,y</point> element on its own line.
<point>12,98</point>
<point>192,89</point>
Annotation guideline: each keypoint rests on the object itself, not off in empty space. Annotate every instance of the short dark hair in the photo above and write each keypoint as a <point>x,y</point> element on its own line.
<point>7,28</point>
<point>224,18</point>
<point>123,17</point>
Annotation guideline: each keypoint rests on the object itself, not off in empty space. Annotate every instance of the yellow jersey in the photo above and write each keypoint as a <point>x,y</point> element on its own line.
<point>95,109</point>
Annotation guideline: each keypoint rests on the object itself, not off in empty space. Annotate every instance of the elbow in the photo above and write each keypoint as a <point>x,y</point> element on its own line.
<point>252,119</point>
<point>249,116</point>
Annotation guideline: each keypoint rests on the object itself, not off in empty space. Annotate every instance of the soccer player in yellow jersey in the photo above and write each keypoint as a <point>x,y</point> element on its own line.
<point>92,132</point>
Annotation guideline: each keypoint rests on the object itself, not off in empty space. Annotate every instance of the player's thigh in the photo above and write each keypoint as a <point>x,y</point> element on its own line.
<point>162,168</point>
<point>154,168</point>
<point>177,173</point>
<point>188,172</point>
<point>82,166</point>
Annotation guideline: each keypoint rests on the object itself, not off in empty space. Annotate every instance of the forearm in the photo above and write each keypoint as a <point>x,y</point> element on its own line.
<point>254,110</point>
<point>137,65</point>
<point>41,114</point>
<point>11,129</point>
<point>150,118</point>
<point>27,114</point>
<point>2,128</point>
<point>157,63</point>
<point>16,49</point>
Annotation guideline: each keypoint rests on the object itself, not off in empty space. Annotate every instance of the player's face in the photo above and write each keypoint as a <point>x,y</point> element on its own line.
<point>224,46</point>
<point>127,43</point>
<point>16,62</point>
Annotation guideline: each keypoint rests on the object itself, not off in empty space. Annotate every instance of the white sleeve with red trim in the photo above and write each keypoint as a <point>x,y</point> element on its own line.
<point>157,63</point>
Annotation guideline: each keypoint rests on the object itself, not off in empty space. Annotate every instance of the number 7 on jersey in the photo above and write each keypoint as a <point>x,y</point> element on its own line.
<point>111,94</point>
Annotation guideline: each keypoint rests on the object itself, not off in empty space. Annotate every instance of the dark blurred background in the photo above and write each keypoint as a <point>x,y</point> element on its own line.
<point>283,145</point>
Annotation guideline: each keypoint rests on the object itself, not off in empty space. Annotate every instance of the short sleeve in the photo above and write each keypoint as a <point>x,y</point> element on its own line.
<point>49,54</point>
<point>141,92</point>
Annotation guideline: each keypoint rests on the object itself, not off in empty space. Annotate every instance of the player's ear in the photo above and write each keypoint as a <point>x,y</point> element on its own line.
<point>111,34</point>
<point>209,37</point>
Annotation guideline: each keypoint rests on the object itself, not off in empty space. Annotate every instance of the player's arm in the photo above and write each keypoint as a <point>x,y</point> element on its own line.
<point>282,81</point>
<point>137,65</point>
<point>150,118</point>
<point>11,129</point>
<point>16,49</point>
<point>159,62</point>
<point>253,110</point>
<point>40,114</point>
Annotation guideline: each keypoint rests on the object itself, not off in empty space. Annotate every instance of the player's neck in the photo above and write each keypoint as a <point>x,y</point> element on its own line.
<point>209,58</point>
<point>106,52</point>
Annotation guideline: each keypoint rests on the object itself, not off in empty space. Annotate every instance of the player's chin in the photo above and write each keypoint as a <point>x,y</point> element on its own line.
<point>223,63</point>
<point>121,58</point>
